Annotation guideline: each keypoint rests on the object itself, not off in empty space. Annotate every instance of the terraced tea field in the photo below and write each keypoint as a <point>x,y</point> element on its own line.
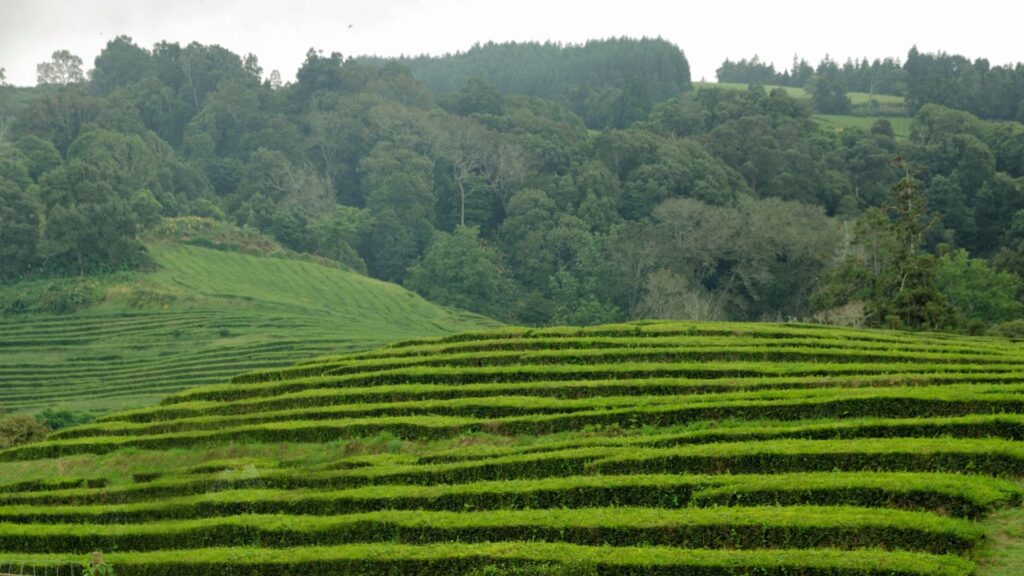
<point>201,317</point>
<point>655,448</point>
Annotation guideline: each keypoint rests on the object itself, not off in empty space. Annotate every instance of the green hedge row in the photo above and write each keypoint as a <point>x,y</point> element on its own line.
<point>455,558</point>
<point>1004,426</point>
<point>440,420</point>
<point>563,389</point>
<point>576,357</point>
<point>590,343</point>
<point>561,373</point>
<point>632,335</point>
<point>995,457</point>
<point>774,404</point>
<point>43,485</point>
<point>406,427</point>
<point>954,494</point>
<point>710,528</point>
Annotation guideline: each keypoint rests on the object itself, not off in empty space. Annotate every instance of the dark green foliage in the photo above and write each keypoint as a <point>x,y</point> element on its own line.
<point>400,197</point>
<point>881,76</point>
<point>559,155</point>
<point>19,232</point>
<point>60,419</point>
<point>895,281</point>
<point>340,233</point>
<point>460,270</point>
<point>978,292</point>
<point>90,222</point>
<point>551,70</point>
<point>39,156</point>
<point>828,89</point>
<point>120,63</point>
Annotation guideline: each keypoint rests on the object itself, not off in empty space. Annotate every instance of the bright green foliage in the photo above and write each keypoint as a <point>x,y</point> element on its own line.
<point>977,291</point>
<point>651,448</point>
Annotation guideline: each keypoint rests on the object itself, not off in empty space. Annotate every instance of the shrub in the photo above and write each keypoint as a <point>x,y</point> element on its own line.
<point>19,429</point>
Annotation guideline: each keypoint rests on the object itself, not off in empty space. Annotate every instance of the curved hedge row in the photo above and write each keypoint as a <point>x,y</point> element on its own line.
<point>654,448</point>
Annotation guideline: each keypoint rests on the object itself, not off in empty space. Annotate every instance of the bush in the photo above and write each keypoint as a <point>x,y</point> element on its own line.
<point>66,297</point>
<point>1013,329</point>
<point>59,419</point>
<point>20,429</point>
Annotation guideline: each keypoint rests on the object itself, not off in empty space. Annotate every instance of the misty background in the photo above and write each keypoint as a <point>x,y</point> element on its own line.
<point>280,33</point>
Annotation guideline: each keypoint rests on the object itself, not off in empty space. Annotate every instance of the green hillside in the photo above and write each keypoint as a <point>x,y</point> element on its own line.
<point>202,316</point>
<point>655,448</point>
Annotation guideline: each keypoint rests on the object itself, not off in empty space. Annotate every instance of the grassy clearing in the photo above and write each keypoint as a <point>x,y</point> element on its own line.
<point>900,126</point>
<point>1002,553</point>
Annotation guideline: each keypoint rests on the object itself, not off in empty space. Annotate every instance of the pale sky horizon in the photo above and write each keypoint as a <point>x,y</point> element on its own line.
<point>280,33</point>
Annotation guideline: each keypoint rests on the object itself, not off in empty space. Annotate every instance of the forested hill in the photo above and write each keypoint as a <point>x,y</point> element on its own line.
<point>555,71</point>
<point>615,202</point>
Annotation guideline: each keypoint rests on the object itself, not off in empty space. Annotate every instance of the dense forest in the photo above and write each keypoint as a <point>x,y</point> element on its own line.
<point>538,183</point>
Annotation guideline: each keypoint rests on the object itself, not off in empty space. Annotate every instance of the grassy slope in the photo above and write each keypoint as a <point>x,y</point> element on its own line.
<point>535,439</point>
<point>203,316</point>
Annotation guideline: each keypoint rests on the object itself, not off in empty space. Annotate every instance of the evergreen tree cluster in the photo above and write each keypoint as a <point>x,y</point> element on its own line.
<point>951,80</point>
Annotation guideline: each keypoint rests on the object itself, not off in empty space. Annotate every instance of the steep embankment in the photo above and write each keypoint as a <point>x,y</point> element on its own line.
<point>201,317</point>
<point>661,448</point>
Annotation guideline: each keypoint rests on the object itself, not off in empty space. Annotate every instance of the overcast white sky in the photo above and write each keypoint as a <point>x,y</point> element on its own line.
<point>280,32</point>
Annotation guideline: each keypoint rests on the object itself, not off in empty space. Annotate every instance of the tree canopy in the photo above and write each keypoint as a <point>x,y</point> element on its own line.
<point>538,183</point>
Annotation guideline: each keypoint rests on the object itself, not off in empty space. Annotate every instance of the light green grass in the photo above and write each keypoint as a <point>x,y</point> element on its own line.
<point>900,125</point>
<point>1002,554</point>
<point>791,90</point>
<point>201,317</point>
